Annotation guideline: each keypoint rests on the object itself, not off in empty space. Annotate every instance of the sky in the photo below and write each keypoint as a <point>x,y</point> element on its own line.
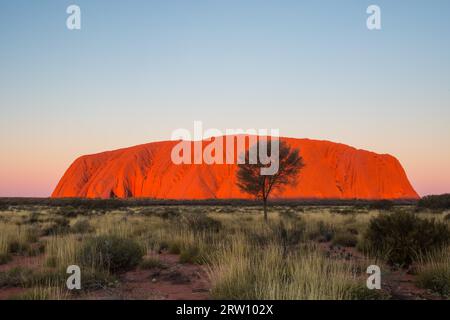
<point>138,70</point>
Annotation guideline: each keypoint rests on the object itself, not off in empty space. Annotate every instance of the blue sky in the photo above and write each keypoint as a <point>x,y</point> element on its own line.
<point>137,70</point>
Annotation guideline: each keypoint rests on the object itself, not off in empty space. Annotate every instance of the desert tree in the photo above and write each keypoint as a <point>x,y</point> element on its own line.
<point>251,180</point>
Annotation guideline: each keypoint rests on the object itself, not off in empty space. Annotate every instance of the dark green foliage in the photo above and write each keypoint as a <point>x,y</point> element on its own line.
<point>402,237</point>
<point>5,258</point>
<point>435,202</point>
<point>251,181</point>
<point>382,205</point>
<point>111,253</point>
<point>361,292</point>
<point>60,225</point>
<point>70,211</point>
<point>190,255</point>
<point>97,279</point>
<point>81,226</point>
<point>174,248</point>
<point>18,247</point>
<point>16,277</point>
<point>436,280</point>
<point>163,245</point>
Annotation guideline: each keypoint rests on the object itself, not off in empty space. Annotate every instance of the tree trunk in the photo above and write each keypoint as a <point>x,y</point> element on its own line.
<point>265,209</point>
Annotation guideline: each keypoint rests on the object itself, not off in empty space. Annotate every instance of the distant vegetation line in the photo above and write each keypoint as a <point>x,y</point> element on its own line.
<point>137,202</point>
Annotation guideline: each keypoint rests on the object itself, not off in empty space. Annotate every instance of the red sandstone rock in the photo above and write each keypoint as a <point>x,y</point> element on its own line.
<point>333,171</point>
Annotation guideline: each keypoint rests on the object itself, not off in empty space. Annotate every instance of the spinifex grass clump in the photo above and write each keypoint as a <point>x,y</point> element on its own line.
<point>112,253</point>
<point>243,271</point>
<point>434,272</point>
<point>402,237</point>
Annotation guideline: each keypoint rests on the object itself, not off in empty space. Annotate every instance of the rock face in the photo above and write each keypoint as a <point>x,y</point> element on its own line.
<point>332,171</point>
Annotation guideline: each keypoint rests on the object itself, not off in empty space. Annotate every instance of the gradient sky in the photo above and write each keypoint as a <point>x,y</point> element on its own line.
<point>137,70</point>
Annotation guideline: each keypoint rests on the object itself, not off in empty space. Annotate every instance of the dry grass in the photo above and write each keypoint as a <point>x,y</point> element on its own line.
<point>246,258</point>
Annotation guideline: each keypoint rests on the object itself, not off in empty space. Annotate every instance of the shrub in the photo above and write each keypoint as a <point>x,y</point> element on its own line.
<point>70,211</point>
<point>4,258</point>
<point>60,225</point>
<point>382,205</point>
<point>97,279</point>
<point>18,247</point>
<point>402,237</point>
<point>163,245</point>
<point>361,292</point>
<point>345,239</point>
<point>435,278</point>
<point>111,253</point>
<point>190,255</point>
<point>435,202</point>
<point>174,248</point>
<point>15,277</point>
<point>81,226</point>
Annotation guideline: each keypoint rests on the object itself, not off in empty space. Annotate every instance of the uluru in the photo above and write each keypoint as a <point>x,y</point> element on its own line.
<point>332,171</point>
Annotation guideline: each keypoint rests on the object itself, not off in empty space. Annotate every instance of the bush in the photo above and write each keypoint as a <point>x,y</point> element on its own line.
<point>361,292</point>
<point>70,211</point>
<point>111,253</point>
<point>435,202</point>
<point>4,258</point>
<point>174,248</point>
<point>15,277</point>
<point>345,239</point>
<point>190,255</point>
<point>60,225</point>
<point>382,205</point>
<point>436,279</point>
<point>402,237</point>
<point>81,226</point>
<point>18,247</point>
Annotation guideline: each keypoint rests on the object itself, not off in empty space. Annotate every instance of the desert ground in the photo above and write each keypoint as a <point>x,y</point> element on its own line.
<point>192,251</point>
